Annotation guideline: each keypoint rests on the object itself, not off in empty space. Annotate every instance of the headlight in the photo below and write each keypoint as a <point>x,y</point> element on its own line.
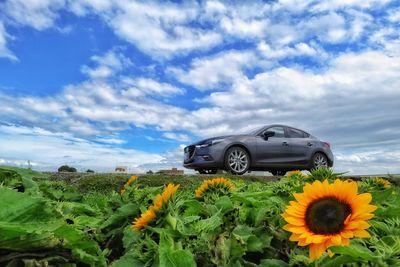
<point>210,143</point>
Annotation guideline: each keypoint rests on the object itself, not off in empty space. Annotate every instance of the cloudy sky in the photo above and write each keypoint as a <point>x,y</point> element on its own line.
<point>99,83</point>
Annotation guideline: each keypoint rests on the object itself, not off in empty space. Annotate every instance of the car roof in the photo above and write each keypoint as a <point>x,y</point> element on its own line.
<point>280,125</point>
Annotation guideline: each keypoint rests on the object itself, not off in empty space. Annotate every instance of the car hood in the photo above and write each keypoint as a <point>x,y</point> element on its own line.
<point>214,138</point>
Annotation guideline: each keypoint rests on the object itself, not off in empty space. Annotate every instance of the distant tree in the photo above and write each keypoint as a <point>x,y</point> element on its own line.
<point>149,172</point>
<point>89,170</point>
<point>66,168</point>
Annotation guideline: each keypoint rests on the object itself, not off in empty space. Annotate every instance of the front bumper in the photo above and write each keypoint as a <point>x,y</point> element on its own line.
<point>198,158</point>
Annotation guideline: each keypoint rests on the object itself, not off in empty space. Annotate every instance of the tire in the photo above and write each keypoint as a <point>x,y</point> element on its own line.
<point>207,171</point>
<point>319,160</point>
<point>278,172</point>
<point>237,160</point>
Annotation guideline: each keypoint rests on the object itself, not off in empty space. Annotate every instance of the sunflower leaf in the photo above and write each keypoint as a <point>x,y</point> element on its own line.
<point>355,251</point>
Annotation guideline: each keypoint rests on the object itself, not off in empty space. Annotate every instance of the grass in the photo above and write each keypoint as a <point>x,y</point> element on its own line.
<point>28,173</point>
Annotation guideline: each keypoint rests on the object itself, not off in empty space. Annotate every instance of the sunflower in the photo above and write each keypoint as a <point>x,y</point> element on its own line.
<point>158,203</point>
<point>382,182</point>
<point>128,183</point>
<point>327,215</point>
<point>296,172</point>
<point>216,182</point>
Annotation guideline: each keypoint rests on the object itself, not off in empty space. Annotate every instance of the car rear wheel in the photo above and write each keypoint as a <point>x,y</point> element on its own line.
<point>207,171</point>
<point>278,172</point>
<point>237,160</point>
<point>319,160</point>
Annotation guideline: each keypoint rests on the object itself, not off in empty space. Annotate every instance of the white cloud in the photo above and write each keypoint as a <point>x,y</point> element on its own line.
<point>299,49</point>
<point>48,150</point>
<point>164,30</point>
<point>4,51</point>
<point>236,26</point>
<point>111,141</point>
<point>33,13</point>
<point>107,65</point>
<point>177,136</point>
<point>376,161</point>
<point>237,20</point>
<point>218,70</point>
<point>394,15</point>
<point>172,159</point>
<point>145,86</point>
<point>160,29</point>
<point>339,4</point>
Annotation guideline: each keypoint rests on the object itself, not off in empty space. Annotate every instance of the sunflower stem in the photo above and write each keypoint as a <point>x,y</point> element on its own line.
<point>171,221</point>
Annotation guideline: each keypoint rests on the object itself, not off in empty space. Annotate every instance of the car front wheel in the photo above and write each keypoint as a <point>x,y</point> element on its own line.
<point>237,160</point>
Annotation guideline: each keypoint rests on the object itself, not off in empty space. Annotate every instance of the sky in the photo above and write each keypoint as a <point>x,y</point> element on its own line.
<point>99,83</point>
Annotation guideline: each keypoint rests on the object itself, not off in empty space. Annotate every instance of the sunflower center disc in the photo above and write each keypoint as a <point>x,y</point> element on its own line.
<point>327,216</point>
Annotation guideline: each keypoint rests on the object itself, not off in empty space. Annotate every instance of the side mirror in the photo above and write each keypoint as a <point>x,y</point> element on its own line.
<point>268,134</point>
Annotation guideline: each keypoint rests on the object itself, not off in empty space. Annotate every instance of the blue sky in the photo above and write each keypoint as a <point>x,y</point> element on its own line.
<point>96,83</point>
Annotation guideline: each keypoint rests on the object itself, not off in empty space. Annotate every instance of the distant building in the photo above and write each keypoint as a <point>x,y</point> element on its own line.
<point>121,169</point>
<point>173,171</point>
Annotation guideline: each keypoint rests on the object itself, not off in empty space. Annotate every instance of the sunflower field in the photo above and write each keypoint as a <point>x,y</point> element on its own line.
<point>318,219</point>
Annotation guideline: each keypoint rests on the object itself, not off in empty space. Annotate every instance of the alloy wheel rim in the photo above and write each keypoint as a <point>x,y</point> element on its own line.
<point>320,161</point>
<point>238,161</point>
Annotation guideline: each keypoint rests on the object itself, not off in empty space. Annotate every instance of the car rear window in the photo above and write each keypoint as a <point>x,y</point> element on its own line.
<point>294,133</point>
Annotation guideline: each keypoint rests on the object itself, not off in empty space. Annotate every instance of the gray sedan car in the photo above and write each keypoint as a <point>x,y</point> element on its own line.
<point>274,148</point>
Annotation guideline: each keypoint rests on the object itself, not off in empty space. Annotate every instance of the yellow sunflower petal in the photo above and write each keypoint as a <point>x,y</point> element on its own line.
<point>316,251</point>
<point>347,234</point>
<point>336,240</point>
<point>294,237</point>
<point>294,229</point>
<point>295,221</point>
<point>361,233</point>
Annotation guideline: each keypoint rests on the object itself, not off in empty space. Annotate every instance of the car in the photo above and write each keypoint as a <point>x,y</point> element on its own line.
<point>275,148</point>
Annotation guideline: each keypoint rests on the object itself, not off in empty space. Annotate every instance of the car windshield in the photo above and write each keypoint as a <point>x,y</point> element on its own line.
<point>254,131</point>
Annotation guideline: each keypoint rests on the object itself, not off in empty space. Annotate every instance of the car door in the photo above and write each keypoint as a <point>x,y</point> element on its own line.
<point>274,150</point>
<point>300,146</point>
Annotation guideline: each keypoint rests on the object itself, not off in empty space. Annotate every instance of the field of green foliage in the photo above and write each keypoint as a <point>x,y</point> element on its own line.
<point>51,220</point>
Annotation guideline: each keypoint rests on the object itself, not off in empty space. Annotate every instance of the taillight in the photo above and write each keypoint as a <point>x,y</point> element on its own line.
<point>327,144</point>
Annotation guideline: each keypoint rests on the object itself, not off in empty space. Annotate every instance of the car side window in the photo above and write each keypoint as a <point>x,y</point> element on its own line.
<point>279,131</point>
<point>294,133</point>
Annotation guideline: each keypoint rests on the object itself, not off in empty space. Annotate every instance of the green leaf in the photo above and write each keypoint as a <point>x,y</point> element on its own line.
<point>356,251</point>
<point>130,237</point>
<point>272,263</point>
<point>242,232</point>
<point>381,196</point>
<point>127,260</point>
<point>123,214</point>
<point>338,261</point>
<point>254,244</point>
<point>82,247</point>
<point>209,224</point>
<point>224,204</point>
<point>171,257</point>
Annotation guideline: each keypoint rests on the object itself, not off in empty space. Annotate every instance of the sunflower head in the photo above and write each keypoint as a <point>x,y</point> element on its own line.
<point>128,183</point>
<point>159,201</point>
<point>327,215</point>
<point>217,184</point>
<point>296,173</point>
<point>381,182</point>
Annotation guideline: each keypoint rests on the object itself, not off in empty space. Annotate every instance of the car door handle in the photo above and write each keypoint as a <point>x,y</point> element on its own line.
<point>309,144</point>
<point>285,144</point>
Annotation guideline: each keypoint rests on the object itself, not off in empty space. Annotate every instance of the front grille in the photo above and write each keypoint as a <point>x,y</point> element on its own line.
<point>189,152</point>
